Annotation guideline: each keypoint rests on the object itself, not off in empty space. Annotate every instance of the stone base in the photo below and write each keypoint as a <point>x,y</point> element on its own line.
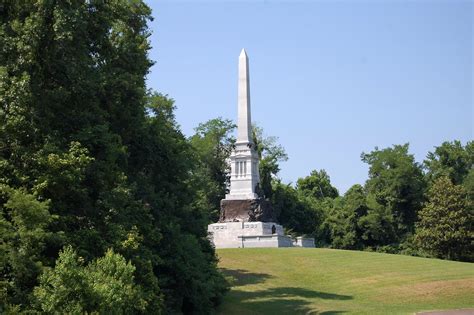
<point>246,210</point>
<point>253,234</point>
<point>247,234</point>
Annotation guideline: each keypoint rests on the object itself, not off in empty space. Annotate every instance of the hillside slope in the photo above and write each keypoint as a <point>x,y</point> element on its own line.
<point>327,281</point>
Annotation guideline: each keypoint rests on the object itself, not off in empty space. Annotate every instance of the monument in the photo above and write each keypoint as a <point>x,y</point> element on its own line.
<point>246,219</point>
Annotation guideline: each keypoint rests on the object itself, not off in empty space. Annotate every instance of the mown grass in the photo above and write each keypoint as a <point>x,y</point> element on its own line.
<point>327,281</point>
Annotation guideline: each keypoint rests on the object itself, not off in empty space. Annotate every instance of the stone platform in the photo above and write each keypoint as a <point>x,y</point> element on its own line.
<point>253,234</point>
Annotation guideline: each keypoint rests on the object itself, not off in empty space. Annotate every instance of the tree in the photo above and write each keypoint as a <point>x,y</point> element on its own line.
<point>179,253</point>
<point>23,236</point>
<point>446,226</point>
<point>468,184</point>
<point>270,154</point>
<point>395,190</point>
<point>450,159</point>
<point>78,128</point>
<point>317,185</point>
<point>105,285</point>
<point>378,226</point>
<point>293,211</point>
<point>344,219</point>
<point>213,144</point>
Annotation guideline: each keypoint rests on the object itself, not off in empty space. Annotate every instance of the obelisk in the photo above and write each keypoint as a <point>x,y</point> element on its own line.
<point>247,219</point>
<point>244,160</point>
<point>244,126</point>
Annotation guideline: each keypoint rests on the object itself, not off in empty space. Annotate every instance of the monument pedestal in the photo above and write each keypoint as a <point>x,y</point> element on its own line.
<point>248,234</point>
<point>253,234</point>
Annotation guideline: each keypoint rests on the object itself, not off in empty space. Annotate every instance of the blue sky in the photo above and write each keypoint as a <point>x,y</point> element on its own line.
<point>330,79</point>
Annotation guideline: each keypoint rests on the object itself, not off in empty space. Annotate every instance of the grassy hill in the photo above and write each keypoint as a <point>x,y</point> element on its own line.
<point>326,281</point>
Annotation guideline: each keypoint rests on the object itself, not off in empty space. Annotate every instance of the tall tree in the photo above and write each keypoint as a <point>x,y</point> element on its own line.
<point>270,154</point>
<point>344,219</point>
<point>179,252</point>
<point>446,226</point>
<point>213,144</point>
<point>450,159</point>
<point>468,184</point>
<point>395,188</point>
<point>78,128</point>
<point>293,211</point>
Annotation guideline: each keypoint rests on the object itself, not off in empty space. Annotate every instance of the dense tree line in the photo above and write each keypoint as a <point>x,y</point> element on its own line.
<point>98,186</point>
<point>404,206</point>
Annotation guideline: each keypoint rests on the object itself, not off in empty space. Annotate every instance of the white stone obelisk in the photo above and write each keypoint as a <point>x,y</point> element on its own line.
<point>244,160</point>
<point>245,219</point>
<point>244,126</point>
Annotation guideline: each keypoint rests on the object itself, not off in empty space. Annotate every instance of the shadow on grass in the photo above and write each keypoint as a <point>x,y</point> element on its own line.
<point>286,300</point>
<point>280,300</point>
<point>239,277</point>
<point>291,292</point>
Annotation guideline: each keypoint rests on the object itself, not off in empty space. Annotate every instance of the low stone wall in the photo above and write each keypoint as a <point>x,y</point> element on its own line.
<point>266,241</point>
<point>304,242</point>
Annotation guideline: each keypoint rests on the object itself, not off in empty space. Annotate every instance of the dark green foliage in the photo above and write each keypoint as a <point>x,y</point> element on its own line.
<point>295,213</point>
<point>378,226</point>
<point>344,219</point>
<point>270,154</point>
<point>469,184</point>
<point>77,128</point>
<point>450,159</point>
<point>317,185</point>
<point>193,264</point>
<point>23,236</point>
<point>105,285</point>
<point>446,226</point>
<point>395,191</point>
<point>380,215</point>
<point>305,208</point>
<point>213,144</point>
<point>187,269</point>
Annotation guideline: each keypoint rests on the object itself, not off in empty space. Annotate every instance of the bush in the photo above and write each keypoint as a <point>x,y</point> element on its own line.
<point>105,285</point>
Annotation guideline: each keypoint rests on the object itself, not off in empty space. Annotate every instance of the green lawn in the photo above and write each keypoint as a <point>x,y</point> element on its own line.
<point>327,281</point>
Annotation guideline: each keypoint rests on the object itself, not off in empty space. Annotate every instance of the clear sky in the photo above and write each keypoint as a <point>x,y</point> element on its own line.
<point>331,79</point>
